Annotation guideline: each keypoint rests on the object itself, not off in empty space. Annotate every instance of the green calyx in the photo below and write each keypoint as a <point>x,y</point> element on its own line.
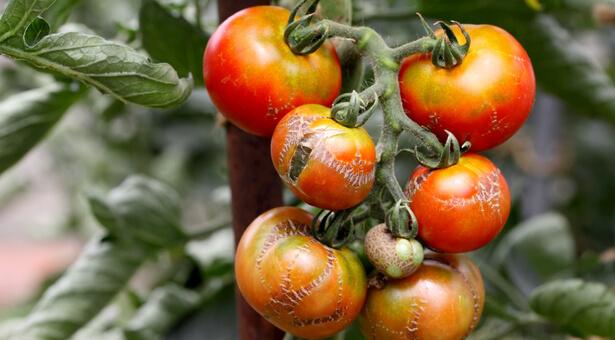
<point>299,35</point>
<point>401,221</point>
<point>335,229</point>
<point>348,107</point>
<point>447,52</point>
<point>449,156</point>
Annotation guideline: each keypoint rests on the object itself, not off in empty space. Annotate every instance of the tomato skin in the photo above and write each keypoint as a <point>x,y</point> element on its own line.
<point>442,300</point>
<point>300,285</point>
<point>254,78</point>
<point>484,100</point>
<point>460,208</point>
<point>340,170</point>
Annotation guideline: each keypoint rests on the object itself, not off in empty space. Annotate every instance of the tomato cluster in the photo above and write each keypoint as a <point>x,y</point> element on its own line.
<point>312,290</point>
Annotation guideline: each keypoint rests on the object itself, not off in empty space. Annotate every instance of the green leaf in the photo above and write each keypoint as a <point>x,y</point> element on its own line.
<point>18,15</point>
<point>141,209</point>
<point>544,245</point>
<point>57,14</point>
<point>165,306</point>
<point>564,68</point>
<point>584,308</point>
<point>27,117</point>
<point>37,30</point>
<point>102,270</point>
<point>110,67</point>
<point>172,39</point>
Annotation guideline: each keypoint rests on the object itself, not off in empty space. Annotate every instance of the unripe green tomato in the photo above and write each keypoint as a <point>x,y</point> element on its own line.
<point>393,257</point>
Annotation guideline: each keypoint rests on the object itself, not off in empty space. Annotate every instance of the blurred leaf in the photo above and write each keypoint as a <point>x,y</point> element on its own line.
<point>584,308</point>
<point>172,39</point>
<point>101,271</point>
<point>27,117</point>
<point>141,209</point>
<point>57,14</point>
<point>143,217</point>
<point>543,245</point>
<point>110,67</point>
<point>38,29</point>
<point>17,15</point>
<point>564,68</point>
<point>165,306</point>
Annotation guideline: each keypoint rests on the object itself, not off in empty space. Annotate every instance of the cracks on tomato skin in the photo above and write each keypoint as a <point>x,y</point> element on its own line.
<point>280,231</point>
<point>415,184</point>
<point>488,192</point>
<point>475,296</point>
<point>311,144</point>
<point>285,298</point>
<point>273,111</point>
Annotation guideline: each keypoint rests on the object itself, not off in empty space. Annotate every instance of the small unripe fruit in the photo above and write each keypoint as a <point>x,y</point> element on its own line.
<point>393,257</point>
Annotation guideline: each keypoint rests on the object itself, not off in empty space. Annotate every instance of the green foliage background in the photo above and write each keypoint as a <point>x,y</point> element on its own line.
<point>548,274</point>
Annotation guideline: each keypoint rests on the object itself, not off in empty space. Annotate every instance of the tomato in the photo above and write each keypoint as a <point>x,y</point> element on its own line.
<point>484,100</point>
<point>300,285</point>
<point>324,163</point>
<point>442,300</point>
<point>460,208</point>
<point>254,78</point>
<point>393,257</point>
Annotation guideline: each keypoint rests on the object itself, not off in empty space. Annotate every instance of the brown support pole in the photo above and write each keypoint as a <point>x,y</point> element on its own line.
<point>255,188</point>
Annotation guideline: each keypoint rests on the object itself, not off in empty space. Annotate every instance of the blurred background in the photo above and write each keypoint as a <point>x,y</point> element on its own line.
<point>560,166</point>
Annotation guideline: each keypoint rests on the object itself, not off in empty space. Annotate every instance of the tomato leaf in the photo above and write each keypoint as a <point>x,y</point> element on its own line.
<point>27,117</point>
<point>101,271</point>
<point>536,250</point>
<point>564,68</point>
<point>17,15</point>
<point>141,210</point>
<point>110,67</point>
<point>57,14</point>
<point>144,218</point>
<point>38,29</point>
<point>172,39</point>
<point>169,304</point>
<point>165,306</point>
<point>584,308</point>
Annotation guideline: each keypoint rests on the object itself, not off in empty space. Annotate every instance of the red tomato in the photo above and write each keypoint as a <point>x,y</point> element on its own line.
<point>325,164</point>
<point>300,285</point>
<point>442,300</point>
<point>254,78</point>
<point>460,208</point>
<point>484,100</point>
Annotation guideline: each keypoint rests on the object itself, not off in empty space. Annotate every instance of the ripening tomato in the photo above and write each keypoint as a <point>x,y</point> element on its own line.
<point>254,78</point>
<point>442,300</point>
<point>484,100</point>
<point>460,208</point>
<point>297,283</point>
<point>324,163</point>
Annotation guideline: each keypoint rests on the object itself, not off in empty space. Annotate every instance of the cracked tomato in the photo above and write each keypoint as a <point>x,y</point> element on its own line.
<point>324,163</point>
<point>254,78</point>
<point>484,100</point>
<point>300,285</point>
<point>442,300</point>
<point>460,208</point>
